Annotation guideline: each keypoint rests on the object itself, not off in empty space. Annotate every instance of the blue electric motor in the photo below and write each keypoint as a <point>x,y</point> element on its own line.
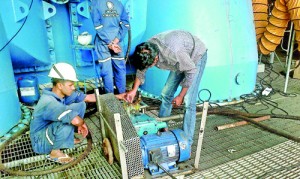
<point>28,90</point>
<point>164,150</point>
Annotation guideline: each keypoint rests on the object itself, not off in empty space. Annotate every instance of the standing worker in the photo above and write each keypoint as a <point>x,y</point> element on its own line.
<point>111,24</point>
<point>185,56</point>
<point>59,111</point>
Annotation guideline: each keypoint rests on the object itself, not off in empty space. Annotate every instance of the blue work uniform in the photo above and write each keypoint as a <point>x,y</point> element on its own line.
<point>51,128</point>
<point>110,21</point>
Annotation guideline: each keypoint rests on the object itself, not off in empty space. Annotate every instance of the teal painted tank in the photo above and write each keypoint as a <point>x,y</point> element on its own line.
<point>10,112</point>
<point>227,29</point>
<point>41,33</point>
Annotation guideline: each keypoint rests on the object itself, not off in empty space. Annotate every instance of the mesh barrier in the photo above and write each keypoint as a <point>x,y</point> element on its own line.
<point>131,140</point>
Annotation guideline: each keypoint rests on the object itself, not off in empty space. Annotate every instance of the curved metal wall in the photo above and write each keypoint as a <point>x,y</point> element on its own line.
<point>48,34</point>
<point>226,27</point>
<point>24,23</point>
<point>45,33</point>
<point>10,112</point>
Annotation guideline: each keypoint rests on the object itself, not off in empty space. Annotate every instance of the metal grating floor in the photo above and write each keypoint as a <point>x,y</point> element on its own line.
<point>280,161</point>
<point>18,155</point>
<point>241,152</point>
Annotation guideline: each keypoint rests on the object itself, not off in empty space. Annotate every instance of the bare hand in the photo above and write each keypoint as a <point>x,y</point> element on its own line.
<point>115,47</point>
<point>83,130</point>
<point>130,96</point>
<point>120,96</point>
<point>177,101</point>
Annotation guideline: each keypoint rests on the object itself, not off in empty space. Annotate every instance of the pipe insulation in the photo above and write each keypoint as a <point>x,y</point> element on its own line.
<point>281,14</point>
<point>260,12</point>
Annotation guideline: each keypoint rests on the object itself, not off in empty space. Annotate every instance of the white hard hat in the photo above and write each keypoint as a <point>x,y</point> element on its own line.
<point>63,71</point>
<point>84,38</point>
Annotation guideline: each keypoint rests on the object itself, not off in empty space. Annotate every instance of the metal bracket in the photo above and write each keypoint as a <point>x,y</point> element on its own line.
<point>20,9</point>
<point>83,9</point>
<point>49,10</point>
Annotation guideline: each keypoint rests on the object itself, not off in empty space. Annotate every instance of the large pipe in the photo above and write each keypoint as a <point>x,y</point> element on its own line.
<point>260,12</point>
<point>282,13</point>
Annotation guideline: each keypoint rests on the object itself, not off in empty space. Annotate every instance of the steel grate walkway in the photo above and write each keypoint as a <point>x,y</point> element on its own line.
<point>280,161</point>
<point>18,155</point>
<point>241,152</point>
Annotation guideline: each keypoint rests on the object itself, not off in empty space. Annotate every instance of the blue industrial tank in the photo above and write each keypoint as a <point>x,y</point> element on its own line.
<point>227,29</point>
<point>225,26</point>
<point>28,90</point>
<point>54,36</point>
<point>10,111</point>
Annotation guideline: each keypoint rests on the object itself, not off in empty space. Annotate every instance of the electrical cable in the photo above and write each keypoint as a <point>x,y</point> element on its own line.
<point>257,97</point>
<point>18,29</point>
<point>281,92</point>
<point>163,168</point>
<point>128,45</point>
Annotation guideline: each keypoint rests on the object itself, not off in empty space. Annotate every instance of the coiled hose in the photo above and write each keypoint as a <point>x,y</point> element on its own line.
<point>48,171</point>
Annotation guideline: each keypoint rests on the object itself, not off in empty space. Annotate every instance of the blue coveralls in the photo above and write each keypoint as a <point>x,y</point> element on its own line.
<point>51,128</point>
<point>110,21</point>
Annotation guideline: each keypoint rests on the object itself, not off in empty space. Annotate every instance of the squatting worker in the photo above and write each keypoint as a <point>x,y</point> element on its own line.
<point>111,24</point>
<point>58,112</point>
<point>185,56</point>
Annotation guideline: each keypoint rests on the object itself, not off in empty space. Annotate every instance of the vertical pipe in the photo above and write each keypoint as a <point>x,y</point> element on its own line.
<point>289,61</point>
<point>272,54</point>
<point>103,133</point>
<point>201,134</point>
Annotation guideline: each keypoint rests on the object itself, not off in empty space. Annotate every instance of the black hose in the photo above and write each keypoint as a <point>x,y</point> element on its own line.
<point>251,115</point>
<point>128,45</point>
<point>270,129</point>
<point>247,117</point>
